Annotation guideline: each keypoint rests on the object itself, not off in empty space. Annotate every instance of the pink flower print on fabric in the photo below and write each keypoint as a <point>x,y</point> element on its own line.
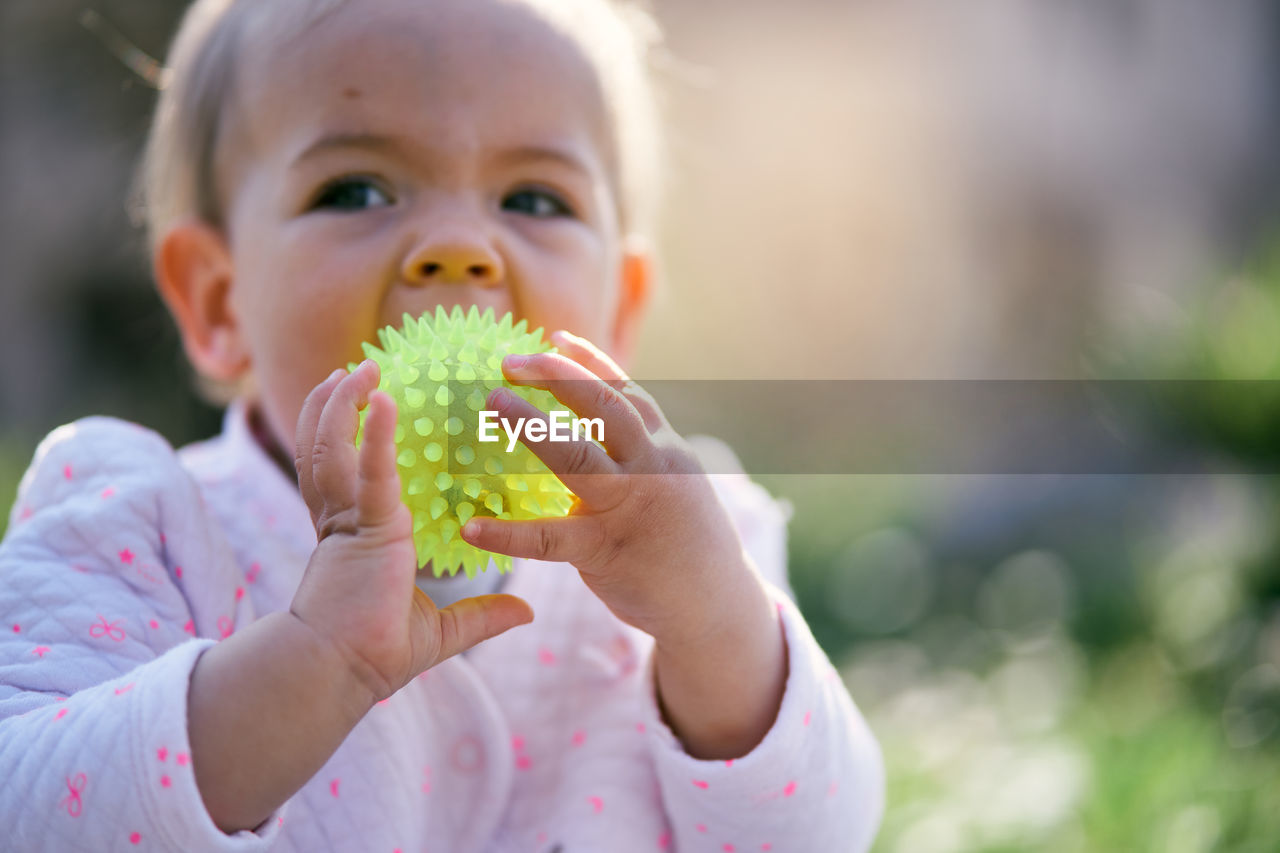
<point>39,651</point>
<point>252,575</point>
<point>225,626</point>
<point>546,657</point>
<point>126,556</point>
<point>597,804</point>
<point>104,629</point>
<point>135,838</point>
<point>72,802</point>
<point>120,691</point>
<point>333,786</point>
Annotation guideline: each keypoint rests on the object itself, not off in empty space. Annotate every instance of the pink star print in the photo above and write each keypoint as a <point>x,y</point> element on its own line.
<point>126,557</point>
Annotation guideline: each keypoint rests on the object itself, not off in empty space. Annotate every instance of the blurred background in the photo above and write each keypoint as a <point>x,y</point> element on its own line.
<point>922,189</point>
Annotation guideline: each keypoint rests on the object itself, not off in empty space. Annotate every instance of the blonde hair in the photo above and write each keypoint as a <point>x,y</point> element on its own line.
<point>178,177</point>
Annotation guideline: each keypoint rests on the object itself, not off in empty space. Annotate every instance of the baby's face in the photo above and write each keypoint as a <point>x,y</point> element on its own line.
<point>401,155</point>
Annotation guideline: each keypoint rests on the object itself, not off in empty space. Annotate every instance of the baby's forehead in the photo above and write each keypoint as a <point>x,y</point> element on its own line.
<point>498,70</point>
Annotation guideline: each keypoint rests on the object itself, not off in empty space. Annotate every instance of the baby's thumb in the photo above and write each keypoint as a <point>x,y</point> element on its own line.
<point>465,623</point>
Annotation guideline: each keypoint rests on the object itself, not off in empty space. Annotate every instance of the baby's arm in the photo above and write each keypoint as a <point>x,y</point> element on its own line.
<point>114,725</point>
<point>737,675</point>
<point>107,544</point>
<point>269,705</point>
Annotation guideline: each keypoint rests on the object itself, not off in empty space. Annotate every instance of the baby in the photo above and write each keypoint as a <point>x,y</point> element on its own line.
<point>229,647</point>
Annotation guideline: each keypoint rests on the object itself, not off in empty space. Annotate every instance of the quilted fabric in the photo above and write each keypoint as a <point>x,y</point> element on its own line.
<point>125,560</point>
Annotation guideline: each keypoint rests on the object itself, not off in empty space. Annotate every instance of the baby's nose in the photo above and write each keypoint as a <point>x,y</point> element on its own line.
<point>456,259</point>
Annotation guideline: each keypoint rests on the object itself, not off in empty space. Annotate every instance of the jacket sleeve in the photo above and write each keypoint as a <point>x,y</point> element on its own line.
<point>98,636</point>
<point>816,780</point>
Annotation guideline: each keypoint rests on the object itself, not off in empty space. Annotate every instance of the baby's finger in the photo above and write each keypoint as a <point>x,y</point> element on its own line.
<point>333,454</point>
<point>625,433</point>
<point>465,623</point>
<point>575,539</point>
<point>589,356</point>
<point>305,436</point>
<point>378,489</point>
<point>580,464</point>
<point>598,362</point>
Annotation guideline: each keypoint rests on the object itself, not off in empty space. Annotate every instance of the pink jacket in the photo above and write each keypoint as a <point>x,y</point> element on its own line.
<point>125,560</point>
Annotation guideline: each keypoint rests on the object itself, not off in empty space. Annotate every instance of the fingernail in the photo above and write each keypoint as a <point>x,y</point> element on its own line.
<point>470,530</point>
<point>515,362</point>
<point>499,398</point>
<point>339,372</point>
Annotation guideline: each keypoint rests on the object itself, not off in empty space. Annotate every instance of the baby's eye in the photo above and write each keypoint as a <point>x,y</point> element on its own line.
<point>537,203</point>
<point>351,194</point>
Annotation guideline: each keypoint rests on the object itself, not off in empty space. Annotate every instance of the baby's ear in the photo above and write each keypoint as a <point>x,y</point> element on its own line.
<point>636,274</point>
<point>194,273</point>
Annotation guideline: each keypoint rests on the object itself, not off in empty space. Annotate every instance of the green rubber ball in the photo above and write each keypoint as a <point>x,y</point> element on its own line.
<point>440,369</point>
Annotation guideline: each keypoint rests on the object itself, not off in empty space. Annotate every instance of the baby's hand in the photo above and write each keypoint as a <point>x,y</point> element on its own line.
<point>358,593</point>
<point>647,533</point>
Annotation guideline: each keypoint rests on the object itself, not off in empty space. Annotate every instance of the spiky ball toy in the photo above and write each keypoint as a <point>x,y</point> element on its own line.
<point>440,369</point>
